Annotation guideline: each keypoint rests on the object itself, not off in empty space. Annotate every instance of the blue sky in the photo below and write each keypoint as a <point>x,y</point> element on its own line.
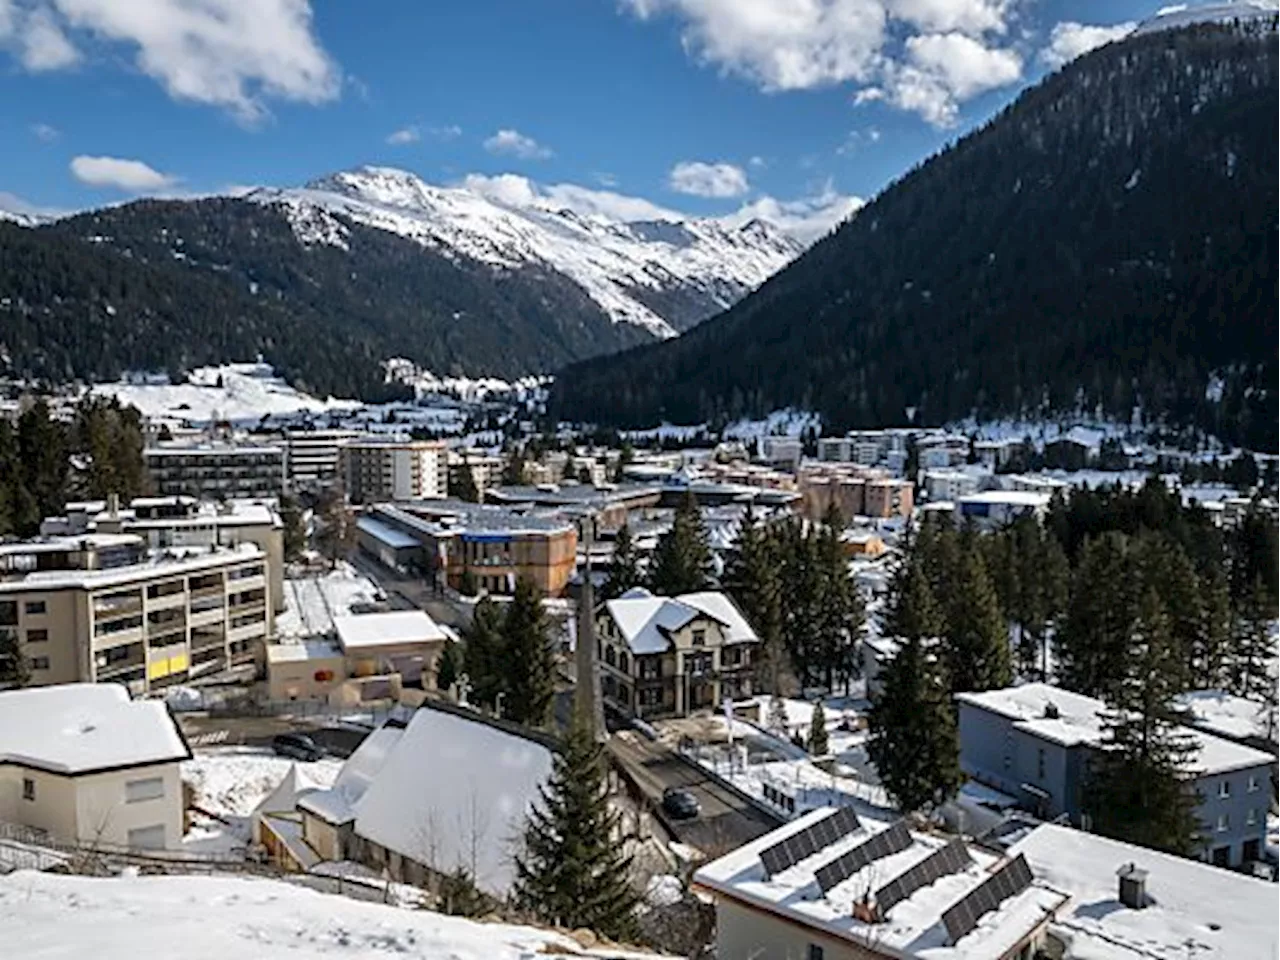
<point>787,107</point>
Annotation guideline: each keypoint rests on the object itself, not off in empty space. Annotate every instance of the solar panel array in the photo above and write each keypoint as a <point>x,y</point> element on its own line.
<point>950,859</point>
<point>1009,881</point>
<point>809,841</point>
<point>885,844</point>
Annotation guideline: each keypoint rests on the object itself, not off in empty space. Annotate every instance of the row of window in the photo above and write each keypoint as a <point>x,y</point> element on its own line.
<point>1252,818</point>
<point>1224,786</point>
<point>135,791</point>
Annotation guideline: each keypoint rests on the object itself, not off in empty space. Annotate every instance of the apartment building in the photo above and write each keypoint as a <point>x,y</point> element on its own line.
<point>856,491</point>
<point>82,763</point>
<point>496,546</point>
<point>313,458</point>
<point>1036,742</point>
<point>948,484</point>
<point>216,470</point>
<point>669,656</point>
<point>382,469</point>
<point>997,508</point>
<point>101,607</point>
<point>166,523</point>
<point>782,451</point>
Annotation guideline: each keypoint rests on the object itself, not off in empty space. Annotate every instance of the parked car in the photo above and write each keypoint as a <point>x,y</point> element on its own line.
<point>299,746</point>
<point>680,804</point>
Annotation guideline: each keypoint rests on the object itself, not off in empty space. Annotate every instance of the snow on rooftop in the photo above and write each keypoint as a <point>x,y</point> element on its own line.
<point>454,792</point>
<point>216,918</point>
<point>313,602</point>
<point>1194,910</point>
<point>81,727</point>
<point>336,805</point>
<point>392,627</point>
<point>385,533</point>
<point>1228,715</point>
<point>169,562</point>
<point>645,619</point>
<point>1027,498</point>
<point>1078,720</point>
<point>913,927</point>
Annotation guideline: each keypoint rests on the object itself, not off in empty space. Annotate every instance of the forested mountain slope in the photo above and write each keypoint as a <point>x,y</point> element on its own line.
<point>1109,240</point>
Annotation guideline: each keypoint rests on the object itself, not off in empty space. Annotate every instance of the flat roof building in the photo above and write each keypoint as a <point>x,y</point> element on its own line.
<point>382,469</point>
<point>216,470</point>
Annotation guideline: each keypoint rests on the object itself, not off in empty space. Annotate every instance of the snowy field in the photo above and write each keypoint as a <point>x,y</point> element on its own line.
<point>220,918</point>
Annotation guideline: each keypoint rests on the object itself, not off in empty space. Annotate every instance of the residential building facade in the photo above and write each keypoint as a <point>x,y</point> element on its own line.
<point>378,469</point>
<point>313,458</point>
<point>1037,742</point>
<point>101,608</point>
<point>216,470</point>
<point>671,656</point>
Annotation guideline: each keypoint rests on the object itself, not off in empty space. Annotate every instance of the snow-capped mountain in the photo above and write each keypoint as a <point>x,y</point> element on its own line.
<point>660,275</point>
<point>1183,15</point>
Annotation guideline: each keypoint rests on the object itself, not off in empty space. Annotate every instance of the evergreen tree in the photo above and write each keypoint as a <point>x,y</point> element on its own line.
<point>1251,647</point>
<point>682,560</point>
<point>15,668</point>
<point>818,731</point>
<point>752,580</point>
<point>912,609</point>
<point>458,895</point>
<point>527,661</point>
<point>1211,649</point>
<point>912,737</point>
<point>624,572</point>
<point>573,871</point>
<point>776,721</point>
<point>447,668</point>
<point>467,584</point>
<point>462,483</point>
<point>976,645</point>
<point>295,531</point>
<point>483,654</point>
<point>841,616</point>
<point>1140,789</point>
<point>335,526</point>
<point>1093,642</point>
<point>514,469</point>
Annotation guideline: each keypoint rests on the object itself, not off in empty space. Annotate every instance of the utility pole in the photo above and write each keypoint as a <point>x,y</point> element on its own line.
<point>587,693</point>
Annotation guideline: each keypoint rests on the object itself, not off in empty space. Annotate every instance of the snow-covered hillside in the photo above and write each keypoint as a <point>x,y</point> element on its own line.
<point>640,272</point>
<point>218,918</point>
<point>1183,15</point>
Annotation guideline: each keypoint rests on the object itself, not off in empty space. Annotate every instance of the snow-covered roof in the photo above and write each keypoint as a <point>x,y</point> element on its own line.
<point>1194,910</point>
<point>379,629</point>
<point>645,620</point>
<point>1015,498</point>
<point>304,649</point>
<point>1228,716</point>
<point>79,728</point>
<point>215,918</point>
<point>454,792</point>
<point>385,533</point>
<point>336,804</point>
<point>158,565</point>
<point>1079,721</point>
<point>911,928</point>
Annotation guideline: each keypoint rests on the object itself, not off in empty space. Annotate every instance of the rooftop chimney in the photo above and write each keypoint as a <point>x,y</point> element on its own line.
<point>1133,886</point>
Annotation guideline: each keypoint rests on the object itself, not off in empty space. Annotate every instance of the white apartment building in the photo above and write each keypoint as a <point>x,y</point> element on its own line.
<point>83,763</point>
<point>216,470</point>
<point>100,608</point>
<point>378,469</point>
<point>948,484</point>
<point>313,458</point>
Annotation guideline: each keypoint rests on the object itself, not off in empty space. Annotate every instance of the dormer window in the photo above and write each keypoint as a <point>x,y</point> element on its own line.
<point>699,637</point>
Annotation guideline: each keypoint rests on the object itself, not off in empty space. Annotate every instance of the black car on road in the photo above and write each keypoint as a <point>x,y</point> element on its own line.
<point>299,746</point>
<point>680,804</point>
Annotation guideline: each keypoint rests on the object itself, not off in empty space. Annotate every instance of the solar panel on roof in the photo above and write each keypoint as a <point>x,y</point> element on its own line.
<point>884,844</point>
<point>950,859</point>
<point>809,841</point>
<point>1008,881</point>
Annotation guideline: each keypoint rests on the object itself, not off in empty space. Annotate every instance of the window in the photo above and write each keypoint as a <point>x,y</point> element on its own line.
<point>1224,822</point>
<point>8,613</point>
<point>1224,789</point>
<point>39,663</point>
<point>28,788</point>
<point>1252,818</point>
<point>699,638</point>
<point>35,608</point>
<point>1040,763</point>
<point>147,838</point>
<point>1253,783</point>
<point>135,791</point>
<point>815,952</point>
<point>37,636</point>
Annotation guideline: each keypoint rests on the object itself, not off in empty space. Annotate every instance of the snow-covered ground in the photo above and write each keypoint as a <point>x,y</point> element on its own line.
<point>237,392</point>
<point>313,602</point>
<point>218,918</point>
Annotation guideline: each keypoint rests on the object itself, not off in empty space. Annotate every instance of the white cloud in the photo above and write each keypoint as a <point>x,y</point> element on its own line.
<point>226,53</point>
<point>44,132</point>
<point>941,71</point>
<point>451,132</point>
<point>708,179</point>
<point>405,135</point>
<point>513,190</point>
<point>807,44</point>
<point>758,162</point>
<point>516,144</point>
<point>131,176</point>
<point>807,219</point>
<point>1069,40</point>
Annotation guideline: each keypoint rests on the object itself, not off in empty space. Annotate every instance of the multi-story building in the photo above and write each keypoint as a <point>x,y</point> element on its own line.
<point>857,491</point>
<point>102,608</point>
<point>888,498</point>
<point>1036,743</point>
<point>380,469</point>
<point>313,457</point>
<point>669,656</point>
<point>782,451</point>
<point>996,508</point>
<point>450,539</point>
<point>82,763</point>
<point>948,484</point>
<point>216,470</point>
